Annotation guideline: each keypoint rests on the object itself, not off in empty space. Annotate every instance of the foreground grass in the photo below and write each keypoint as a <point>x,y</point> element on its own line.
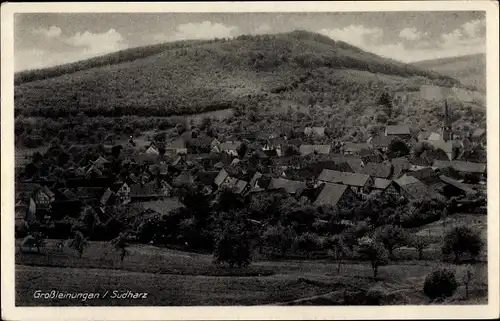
<point>179,278</point>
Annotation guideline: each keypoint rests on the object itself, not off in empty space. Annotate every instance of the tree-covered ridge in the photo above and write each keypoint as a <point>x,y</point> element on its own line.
<point>183,78</point>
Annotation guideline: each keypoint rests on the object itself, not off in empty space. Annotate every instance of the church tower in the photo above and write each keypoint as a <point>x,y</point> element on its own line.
<point>446,128</point>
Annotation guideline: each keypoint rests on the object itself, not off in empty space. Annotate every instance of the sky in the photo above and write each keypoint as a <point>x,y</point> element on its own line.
<point>48,39</point>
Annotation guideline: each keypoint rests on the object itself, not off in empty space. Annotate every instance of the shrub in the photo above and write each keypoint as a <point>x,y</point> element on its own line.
<point>233,245</point>
<point>462,240</point>
<point>375,295</point>
<point>440,284</point>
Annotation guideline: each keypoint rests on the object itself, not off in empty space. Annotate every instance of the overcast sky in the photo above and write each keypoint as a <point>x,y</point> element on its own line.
<point>43,40</point>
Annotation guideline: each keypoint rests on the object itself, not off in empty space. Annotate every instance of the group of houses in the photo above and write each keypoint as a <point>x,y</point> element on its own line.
<point>336,174</point>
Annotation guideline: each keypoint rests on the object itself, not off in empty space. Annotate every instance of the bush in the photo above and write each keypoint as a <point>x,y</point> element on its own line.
<point>234,245</point>
<point>375,295</point>
<point>462,240</point>
<point>440,284</point>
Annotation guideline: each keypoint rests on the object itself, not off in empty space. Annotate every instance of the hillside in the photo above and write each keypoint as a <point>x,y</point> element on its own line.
<point>191,77</point>
<point>469,70</point>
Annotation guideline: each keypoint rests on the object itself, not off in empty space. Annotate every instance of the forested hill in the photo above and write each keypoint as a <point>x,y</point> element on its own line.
<point>194,76</point>
<point>469,70</point>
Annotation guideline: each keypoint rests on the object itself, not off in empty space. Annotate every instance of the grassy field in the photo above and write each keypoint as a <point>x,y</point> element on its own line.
<point>178,278</point>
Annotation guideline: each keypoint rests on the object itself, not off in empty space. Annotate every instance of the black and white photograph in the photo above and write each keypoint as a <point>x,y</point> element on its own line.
<point>225,159</point>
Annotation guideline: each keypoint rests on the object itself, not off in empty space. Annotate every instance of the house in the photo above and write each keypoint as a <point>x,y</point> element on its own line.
<point>431,155</point>
<point>380,170</point>
<point>370,157</point>
<point>106,199</point>
<point>356,163</point>
<point>401,131</point>
<point>336,195</point>
<point>93,171</point>
<point>423,135</point>
<point>314,149</point>
<point>317,131</point>
<point>152,151</point>
<point>400,166</point>
<point>312,171</point>
<point>479,135</point>
<point>183,179</point>
<point>240,186</point>
<point>448,147</point>
<point>434,136</point>
<point>152,190</point>
<point>221,177</point>
<point>263,182</point>
<point>360,183</point>
<point>454,188</point>
<point>380,183</point>
<point>381,142</point>
<point>462,167</point>
<point>294,142</point>
<point>354,148</point>
<point>88,194</point>
<point>426,175</point>
<point>253,181</point>
<point>177,146</point>
<point>292,187</point>
<point>101,162</point>
<point>274,144</point>
<point>231,147</point>
<point>123,193</point>
<point>41,197</point>
<point>407,187</point>
<point>162,207</point>
<point>215,146</point>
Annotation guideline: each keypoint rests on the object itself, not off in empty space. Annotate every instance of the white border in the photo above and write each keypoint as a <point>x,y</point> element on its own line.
<point>9,312</point>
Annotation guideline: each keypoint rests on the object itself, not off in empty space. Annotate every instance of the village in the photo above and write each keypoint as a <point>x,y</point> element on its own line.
<point>152,177</point>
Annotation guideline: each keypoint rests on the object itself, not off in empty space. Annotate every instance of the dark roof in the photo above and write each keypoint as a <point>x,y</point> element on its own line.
<point>152,188</point>
<point>351,179</point>
<point>270,153</point>
<point>220,177</point>
<point>413,187</point>
<point>461,166</point>
<point>380,183</point>
<point>369,157</point>
<point>310,149</point>
<point>264,181</point>
<point>426,175</point>
<point>381,141</point>
<point>432,155</point>
<point>330,194</point>
<point>401,129</point>
<point>457,184</point>
<point>294,141</point>
<point>292,187</point>
<point>400,166</point>
<point>206,177</point>
<point>183,178</point>
<point>356,146</point>
<point>88,192</point>
<point>380,170</point>
<point>230,145</point>
<point>106,196</point>
<point>163,206</point>
<point>478,132</point>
